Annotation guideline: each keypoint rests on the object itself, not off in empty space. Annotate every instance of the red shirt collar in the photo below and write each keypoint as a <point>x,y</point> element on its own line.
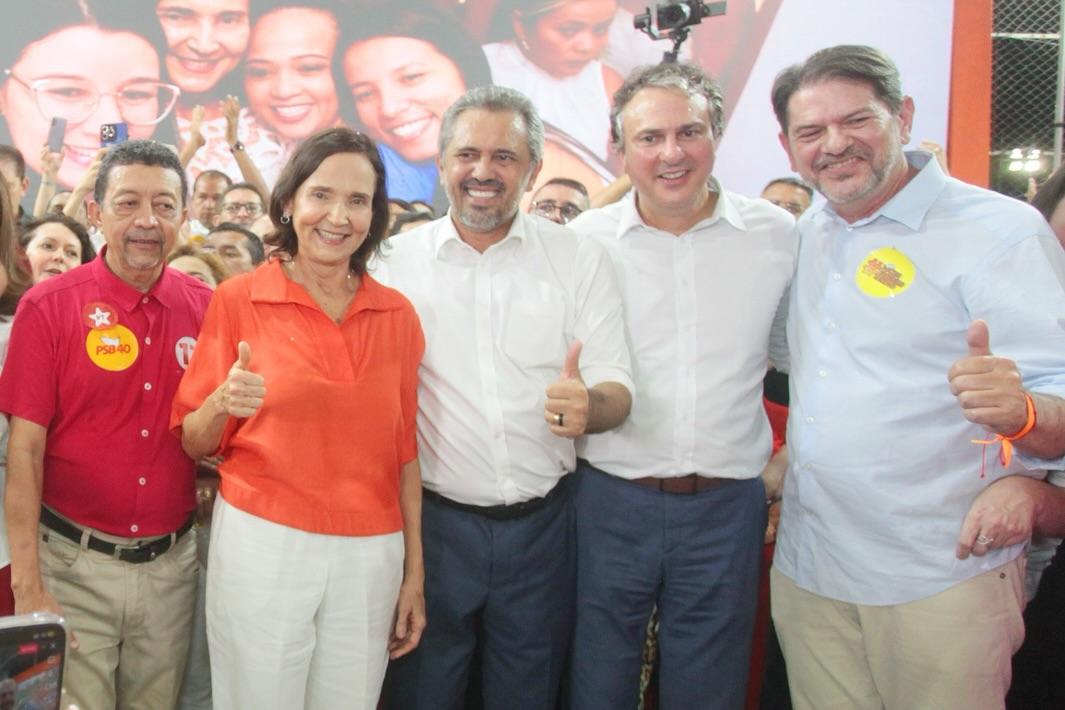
<point>163,290</point>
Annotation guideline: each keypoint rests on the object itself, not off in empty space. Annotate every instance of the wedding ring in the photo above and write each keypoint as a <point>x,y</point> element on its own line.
<point>981,540</point>
<point>558,419</point>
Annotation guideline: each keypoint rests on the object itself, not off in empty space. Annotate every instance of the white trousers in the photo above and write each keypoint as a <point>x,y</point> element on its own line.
<point>298,620</point>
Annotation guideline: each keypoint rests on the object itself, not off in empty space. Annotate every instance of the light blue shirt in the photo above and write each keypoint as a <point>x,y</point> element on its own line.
<point>883,469</point>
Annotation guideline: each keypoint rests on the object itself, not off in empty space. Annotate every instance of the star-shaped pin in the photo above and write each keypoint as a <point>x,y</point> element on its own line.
<point>100,317</point>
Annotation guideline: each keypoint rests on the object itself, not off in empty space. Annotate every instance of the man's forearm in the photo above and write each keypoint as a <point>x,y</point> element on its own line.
<point>22,509</point>
<point>609,403</point>
<point>1047,439</point>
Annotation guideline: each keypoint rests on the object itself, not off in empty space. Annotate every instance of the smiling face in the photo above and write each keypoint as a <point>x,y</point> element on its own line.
<point>847,143</point>
<point>332,210</point>
<point>486,168</point>
<point>288,79</point>
<point>668,153</point>
<point>109,60</point>
<point>139,218</point>
<point>564,40</point>
<point>401,87</point>
<point>53,250</point>
<point>205,40</point>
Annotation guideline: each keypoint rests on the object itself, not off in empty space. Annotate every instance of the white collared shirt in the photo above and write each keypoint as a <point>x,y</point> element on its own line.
<point>497,326</point>
<point>699,309</point>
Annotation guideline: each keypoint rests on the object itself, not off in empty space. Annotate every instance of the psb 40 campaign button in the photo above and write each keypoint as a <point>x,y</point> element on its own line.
<point>113,349</point>
<point>885,273</point>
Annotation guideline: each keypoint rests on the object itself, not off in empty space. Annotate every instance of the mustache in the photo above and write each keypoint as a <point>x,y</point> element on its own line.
<point>475,183</point>
<point>850,152</point>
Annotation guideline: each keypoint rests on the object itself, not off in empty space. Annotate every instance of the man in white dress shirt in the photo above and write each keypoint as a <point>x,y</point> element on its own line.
<point>671,508</point>
<point>525,351</point>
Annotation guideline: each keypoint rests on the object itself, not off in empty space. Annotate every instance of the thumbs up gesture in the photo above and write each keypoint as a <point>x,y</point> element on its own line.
<point>242,393</point>
<point>566,410</point>
<point>988,388</point>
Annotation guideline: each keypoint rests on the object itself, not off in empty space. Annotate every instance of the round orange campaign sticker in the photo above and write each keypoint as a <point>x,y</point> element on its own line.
<point>113,349</point>
<point>885,273</point>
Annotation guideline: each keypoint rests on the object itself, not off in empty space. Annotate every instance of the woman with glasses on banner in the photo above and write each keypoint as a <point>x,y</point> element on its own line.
<point>86,63</point>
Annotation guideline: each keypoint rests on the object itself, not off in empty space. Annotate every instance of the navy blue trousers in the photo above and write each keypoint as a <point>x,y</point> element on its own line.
<point>697,556</point>
<point>503,588</point>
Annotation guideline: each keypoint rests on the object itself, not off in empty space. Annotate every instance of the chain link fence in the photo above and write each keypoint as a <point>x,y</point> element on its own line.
<point>1025,58</point>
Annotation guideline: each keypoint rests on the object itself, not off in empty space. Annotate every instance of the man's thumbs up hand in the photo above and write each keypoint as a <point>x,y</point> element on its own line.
<point>988,388</point>
<point>566,410</point>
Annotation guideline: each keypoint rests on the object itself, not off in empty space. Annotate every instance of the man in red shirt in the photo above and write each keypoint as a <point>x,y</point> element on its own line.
<point>99,493</point>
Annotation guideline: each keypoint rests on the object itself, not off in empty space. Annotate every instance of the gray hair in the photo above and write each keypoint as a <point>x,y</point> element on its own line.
<point>497,99</point>
<point>846,61</point>
<point>139,152</point>
<point>685,77</point>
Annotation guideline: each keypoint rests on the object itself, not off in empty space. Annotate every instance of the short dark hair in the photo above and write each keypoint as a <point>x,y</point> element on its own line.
<point>211,173</point>
<point>852,62</point>
<point>13,154</point>
<point>566,182</point>
<point>402,220</point>
<point>255,245</point>
<point>682,76</point>
<point>139,152</point>
<point>308,156</point>
<point>794,182</point>
<point>244,186</point>
<point>29,231</point>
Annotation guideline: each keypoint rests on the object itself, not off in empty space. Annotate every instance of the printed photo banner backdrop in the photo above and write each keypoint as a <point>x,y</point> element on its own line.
<point>392,68</point>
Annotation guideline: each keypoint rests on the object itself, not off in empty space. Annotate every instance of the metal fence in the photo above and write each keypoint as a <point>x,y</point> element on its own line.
<point>1026,93</point>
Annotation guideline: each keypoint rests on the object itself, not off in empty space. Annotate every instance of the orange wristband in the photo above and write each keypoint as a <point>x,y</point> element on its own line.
<point>1005,454</point>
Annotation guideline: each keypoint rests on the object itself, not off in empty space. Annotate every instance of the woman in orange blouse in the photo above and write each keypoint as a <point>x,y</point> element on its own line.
<point>304,379</point>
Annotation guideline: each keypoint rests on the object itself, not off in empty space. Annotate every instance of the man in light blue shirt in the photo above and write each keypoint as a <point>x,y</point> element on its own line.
<point>912,290</point>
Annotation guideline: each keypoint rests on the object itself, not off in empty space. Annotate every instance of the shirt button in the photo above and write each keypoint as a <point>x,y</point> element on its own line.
<point>147,340</point>
<point>832,325</point>
<point>142,480</point>
<point>809,420</point>
<point>823,373</point>
<point>147,385</point>
<point>134,528</point>
<point>144,300</point>
<point>144,433</point>
<point>837,276</point>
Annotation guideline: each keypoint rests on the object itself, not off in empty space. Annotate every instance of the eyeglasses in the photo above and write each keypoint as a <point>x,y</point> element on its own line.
<point>140,103</point>
<point>566,211</point>
<point>234,207</point>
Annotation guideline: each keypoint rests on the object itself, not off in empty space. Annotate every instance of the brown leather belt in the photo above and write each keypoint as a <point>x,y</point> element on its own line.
<point>683,485</point>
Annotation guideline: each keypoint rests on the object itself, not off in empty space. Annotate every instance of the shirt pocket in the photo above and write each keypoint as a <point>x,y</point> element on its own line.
<point>533,330</point>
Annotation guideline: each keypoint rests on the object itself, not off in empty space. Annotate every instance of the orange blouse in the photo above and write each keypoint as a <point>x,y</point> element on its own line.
<point>324,451</point>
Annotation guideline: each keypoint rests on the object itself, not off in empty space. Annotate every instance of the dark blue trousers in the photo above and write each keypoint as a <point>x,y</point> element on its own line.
<point>504,587</point>
<point>696,556</point>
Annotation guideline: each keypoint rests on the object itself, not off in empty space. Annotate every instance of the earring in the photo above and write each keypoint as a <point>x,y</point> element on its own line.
<point>285,219</point>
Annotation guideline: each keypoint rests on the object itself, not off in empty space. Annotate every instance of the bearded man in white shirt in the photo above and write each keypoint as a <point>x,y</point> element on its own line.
<point>671,507</point>
<point>525,351</point>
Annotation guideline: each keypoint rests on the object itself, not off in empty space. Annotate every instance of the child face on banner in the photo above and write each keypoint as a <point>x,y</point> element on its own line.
<point>288,78</point>
<point>205,40</point>
<point>88,76</point>
<point>401,87</point>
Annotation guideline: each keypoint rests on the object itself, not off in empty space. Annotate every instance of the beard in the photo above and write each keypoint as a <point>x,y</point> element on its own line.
<point>484,219</point>
<point>851,189</point>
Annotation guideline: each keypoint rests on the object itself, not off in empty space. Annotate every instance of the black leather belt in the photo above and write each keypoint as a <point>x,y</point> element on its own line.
<point>145,552</point>
<point>499,512</point>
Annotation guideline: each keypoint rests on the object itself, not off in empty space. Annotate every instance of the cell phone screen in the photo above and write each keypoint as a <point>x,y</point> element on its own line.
<point>31,674</point>
<point>56,134</point>
<point>112,134</point>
